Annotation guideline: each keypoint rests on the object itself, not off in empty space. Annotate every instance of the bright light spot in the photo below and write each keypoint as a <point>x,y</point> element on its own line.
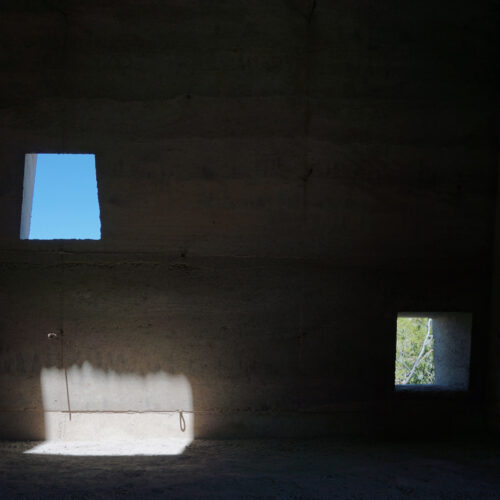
<point>151,447</point>
<point>115,413</point>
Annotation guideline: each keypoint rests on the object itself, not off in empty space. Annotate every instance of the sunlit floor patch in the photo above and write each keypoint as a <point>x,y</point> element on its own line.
<point>172,446</point>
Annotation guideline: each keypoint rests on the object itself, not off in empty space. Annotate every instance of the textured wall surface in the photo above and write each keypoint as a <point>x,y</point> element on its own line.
<point>276,181</point>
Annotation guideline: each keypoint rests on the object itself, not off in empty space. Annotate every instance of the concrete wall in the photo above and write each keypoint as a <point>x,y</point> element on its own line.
<point>276,181</point>
<point>493,380</point>
<point>452,349</point>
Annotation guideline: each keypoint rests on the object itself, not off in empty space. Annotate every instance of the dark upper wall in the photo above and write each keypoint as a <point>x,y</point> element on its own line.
<point>221,128</point>
<point>357,137</point>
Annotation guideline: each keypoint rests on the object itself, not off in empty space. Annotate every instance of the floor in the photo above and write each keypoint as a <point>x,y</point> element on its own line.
<point>278,469</point>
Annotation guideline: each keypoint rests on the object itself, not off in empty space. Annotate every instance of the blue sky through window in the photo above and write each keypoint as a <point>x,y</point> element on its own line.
<point>65,204</point>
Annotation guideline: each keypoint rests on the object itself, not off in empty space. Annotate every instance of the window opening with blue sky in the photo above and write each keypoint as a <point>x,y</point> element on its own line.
<point>60,197</point>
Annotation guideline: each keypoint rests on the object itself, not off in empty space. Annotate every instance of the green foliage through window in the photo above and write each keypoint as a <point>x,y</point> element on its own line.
<point>414,351</point>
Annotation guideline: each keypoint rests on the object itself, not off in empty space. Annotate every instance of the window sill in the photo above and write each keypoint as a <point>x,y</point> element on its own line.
<point>431,391</point>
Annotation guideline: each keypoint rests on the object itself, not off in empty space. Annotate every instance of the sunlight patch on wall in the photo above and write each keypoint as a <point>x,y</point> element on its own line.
<point>90,411</point>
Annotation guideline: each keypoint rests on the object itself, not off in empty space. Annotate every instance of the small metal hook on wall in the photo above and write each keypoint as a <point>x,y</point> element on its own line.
<point>54,335</point>
<point>182,422</point>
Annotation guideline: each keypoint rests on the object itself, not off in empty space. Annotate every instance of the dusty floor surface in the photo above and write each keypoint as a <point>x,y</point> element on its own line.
<point>262,469</point>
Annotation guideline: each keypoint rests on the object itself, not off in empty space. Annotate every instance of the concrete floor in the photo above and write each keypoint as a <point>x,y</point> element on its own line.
<point>262,469</point>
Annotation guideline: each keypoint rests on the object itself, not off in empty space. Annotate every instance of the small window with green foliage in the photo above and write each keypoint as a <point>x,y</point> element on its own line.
<point>414,351</point>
